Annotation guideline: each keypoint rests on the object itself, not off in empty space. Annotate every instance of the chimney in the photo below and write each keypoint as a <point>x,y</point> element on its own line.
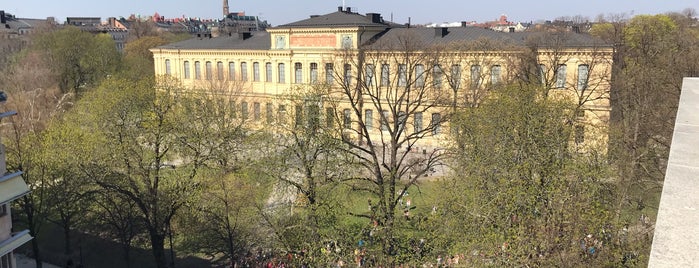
<point>576,29</point>
<point>375,17</point>
<point>349,10</point>
<point>464,23</point>
<point>2,17</point>
<point>339,8</point>
<point>512,29</point>
<point>440,32</point>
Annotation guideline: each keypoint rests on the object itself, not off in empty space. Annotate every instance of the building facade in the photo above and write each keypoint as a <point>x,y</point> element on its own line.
<point>450,68</point>
<point>12,186</point>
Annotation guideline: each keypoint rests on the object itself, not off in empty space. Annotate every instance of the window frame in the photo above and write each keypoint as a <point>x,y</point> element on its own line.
<point>385,75</point>
<point>269,72</point>
<point>197,70</point>
<point>561,75</point>
<point>231,71</point>
<point>583,80</point>
<point>219,70</point>
<point>187,71</point>
<point>298,73</point>
<point>256,71</point>
<point>281,73</point>
<point>244,71</point>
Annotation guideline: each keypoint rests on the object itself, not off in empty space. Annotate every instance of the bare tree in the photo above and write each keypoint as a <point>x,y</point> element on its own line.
<point>381,96</point>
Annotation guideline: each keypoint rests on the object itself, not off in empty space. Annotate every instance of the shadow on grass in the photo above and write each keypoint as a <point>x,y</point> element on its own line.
<point>93,251</point>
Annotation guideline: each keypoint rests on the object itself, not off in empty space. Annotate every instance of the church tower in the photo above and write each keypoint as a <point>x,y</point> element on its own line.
<point>226,11</point>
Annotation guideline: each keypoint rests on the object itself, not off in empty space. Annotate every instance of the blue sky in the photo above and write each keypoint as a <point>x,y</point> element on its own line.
<point>285,11</point>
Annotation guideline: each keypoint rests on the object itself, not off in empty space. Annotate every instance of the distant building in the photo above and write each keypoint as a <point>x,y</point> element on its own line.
<point>343,49</point>
<point>500,25</point>
<point>15,32</point>
<point>12,186</point>
<point>94,25</point>
<point>13,27</point>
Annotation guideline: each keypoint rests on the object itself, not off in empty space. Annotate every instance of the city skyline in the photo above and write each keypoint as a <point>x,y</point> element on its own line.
<point>281,12</point>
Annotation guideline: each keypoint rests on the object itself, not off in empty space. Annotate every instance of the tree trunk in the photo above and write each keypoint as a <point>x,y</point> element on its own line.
<point>127,254</point>
<point>66,235</point>
<point>35,249</point>
<point>32,224</point>
<point>157,242</point>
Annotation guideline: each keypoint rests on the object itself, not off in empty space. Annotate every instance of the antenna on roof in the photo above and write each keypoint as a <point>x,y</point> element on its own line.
<point>343,4</point>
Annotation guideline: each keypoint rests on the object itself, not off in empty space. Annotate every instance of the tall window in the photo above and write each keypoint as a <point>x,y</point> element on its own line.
<point>299,116</point>
<point>495,72</point>
<point>542,74</point>
<point>369,119</point>
<point>385,75</point>
<point>347,74</point>
<point>209,71</point>
<point>168,71</point>
<point>231,71</point>
<point>384,120</point>
<point>402,119</point>
<point>282,72</point>
<point>269,112</point>
<point>437,76</point>
<point>436,123</point>
<point>583,73</point>
<point>298,73</point>
<point>281,114</point>
<point>420,75</point>
<point>329,116</point>
<point>475,76</point>
<point>329,73</point>
<point>314,73</point>
<point>347,118</point>
<point>197,70</point>
<point>418,122</point>
<point>256,71</point>
<point>455,80</point>
<point>256,113</point>
<point>268,72</point>
<point>402,75</point>
<point>187,74</point>
<point>244,110</point>
<point>313,115</point>
<point>369,75</point>
<point>219,70</point>
<point>234,112</point>
<point>561,76</point>
<point>244,71</point>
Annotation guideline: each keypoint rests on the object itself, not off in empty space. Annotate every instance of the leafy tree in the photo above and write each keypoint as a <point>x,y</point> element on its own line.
<point>145,156</point>
<point>28,82</point>
<point>79,59</point>
<point>63,149</point>
<point>224,223</point>
<point>309,166</point>
<point>519,195</point>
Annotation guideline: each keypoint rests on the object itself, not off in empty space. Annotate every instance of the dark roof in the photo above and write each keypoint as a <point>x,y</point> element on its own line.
<point>257,41</point>
<point>337,19</point>
<point>434,36</point>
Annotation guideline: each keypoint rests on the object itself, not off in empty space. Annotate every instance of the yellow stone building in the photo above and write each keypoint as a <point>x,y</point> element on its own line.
<point>381,76</point>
